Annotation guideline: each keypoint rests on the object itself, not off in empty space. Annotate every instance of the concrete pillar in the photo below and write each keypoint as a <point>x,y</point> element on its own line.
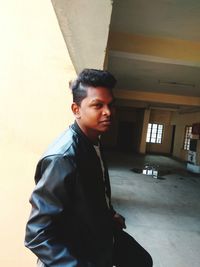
<point>142,147</point>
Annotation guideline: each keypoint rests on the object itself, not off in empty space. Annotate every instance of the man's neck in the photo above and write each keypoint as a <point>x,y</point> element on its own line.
<point>92,135</point>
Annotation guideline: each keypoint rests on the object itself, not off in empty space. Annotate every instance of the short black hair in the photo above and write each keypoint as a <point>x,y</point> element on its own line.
<point>93,78</point>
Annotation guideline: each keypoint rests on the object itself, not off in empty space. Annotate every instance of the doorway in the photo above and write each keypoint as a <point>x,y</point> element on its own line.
<point>125,140</point>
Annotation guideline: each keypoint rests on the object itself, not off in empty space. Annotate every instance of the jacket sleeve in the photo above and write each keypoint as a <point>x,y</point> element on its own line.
<point>48,201</point>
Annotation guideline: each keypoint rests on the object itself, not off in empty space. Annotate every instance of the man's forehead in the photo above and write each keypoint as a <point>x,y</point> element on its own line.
<point>102,99</point>
<point>98,92</point>
<point>99,99</point>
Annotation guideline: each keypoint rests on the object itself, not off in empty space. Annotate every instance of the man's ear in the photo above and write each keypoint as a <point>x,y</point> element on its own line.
<point>76,110</point>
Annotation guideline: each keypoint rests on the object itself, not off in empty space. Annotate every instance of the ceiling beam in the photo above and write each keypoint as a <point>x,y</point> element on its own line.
<point>157,97</point>
<point>85,27</point>
<point>149,58</point>
<point>159,47</point>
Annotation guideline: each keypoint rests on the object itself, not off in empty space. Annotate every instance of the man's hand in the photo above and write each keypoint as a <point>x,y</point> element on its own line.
<point>119,221</point>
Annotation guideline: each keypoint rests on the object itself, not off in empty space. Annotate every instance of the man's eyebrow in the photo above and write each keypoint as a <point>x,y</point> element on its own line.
<point>96,100</point>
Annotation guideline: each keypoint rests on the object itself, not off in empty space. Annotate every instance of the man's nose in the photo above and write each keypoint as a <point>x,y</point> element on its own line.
<point>107,111</point>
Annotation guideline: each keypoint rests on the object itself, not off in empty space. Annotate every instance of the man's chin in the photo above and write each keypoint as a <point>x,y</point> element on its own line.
<point>105,128</point>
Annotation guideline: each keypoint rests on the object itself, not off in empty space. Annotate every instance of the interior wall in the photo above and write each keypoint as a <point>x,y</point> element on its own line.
<point>144,128</point>
<point>182,120</point>
<point>110,138</point>
<point>161,117</point>
<point>34,108</point>
<point>131,116</point>
<point>138,129</point>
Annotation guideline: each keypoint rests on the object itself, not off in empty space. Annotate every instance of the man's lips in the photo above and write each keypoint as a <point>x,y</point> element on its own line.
<point>105,122</point>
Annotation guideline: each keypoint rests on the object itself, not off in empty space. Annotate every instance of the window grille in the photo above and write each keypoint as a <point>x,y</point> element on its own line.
<point>186,142</point>
<point>154,133</point>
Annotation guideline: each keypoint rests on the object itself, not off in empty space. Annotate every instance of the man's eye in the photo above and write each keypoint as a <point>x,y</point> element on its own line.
<point>98,105</point>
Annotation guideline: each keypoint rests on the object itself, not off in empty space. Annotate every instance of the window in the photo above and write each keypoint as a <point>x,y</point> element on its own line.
<point>186,143</point>
<point>154,133</point>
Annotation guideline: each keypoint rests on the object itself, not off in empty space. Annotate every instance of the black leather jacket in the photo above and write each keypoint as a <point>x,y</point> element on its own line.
<point>70,222</point>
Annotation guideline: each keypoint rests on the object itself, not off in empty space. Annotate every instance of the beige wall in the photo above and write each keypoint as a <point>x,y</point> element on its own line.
<point>161,117</point>
<point>34,108</point>
<point>181,120</point>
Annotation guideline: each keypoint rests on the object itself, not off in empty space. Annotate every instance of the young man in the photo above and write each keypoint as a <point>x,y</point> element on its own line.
<point>72,222</point>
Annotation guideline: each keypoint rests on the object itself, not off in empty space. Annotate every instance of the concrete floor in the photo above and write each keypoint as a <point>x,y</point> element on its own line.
<point>162,214</point>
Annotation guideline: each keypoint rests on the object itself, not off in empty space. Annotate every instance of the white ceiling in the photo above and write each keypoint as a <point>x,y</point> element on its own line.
<point>168,23</point>
<point>164,18</point>
<point>137,74</point>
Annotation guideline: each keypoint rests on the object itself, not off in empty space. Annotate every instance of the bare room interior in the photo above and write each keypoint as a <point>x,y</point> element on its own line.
<point>153,149</point>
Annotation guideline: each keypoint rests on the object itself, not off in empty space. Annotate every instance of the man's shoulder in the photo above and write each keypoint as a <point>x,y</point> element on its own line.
<point>63,145</point>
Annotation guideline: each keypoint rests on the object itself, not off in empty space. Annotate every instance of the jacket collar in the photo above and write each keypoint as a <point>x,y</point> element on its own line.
<point>75,127</point>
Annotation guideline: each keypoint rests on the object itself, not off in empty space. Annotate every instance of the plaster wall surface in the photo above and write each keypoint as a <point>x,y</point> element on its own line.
<point>34,108</point>
<point>130,115</point>
<point>182,120</point>
<point>161,117</point>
